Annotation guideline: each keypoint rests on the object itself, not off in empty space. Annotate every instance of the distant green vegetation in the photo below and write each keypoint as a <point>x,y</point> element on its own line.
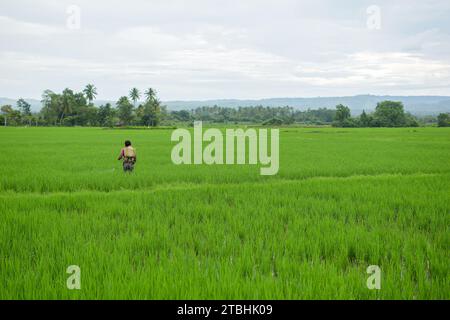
<point>71,108</point>
<point>343,199</point>
<point>444,120</point>
<point>387,114</point>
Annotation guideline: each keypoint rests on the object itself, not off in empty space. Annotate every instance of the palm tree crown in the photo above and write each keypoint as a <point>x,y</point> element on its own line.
<point>135,95</point>
<point>91,92</point>
<point>150,94</point>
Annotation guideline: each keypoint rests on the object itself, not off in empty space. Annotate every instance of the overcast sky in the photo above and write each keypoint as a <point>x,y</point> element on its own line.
<point>210,49</point>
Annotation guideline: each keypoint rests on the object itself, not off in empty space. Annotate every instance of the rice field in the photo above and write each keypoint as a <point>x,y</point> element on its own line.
<point>342,200</point>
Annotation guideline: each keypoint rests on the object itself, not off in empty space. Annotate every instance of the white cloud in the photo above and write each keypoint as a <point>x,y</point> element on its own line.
<point>237,49</point>
<point>11,26</point>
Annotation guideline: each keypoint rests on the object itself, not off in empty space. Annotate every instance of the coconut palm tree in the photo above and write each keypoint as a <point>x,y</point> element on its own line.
<point>150,94</point>
<point>91,92</point>
<point>66,104</point>
<point>135,95</point>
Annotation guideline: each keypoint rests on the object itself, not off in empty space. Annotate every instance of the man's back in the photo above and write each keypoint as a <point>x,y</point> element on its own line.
<point>129,152</point>
<point>128,155</point>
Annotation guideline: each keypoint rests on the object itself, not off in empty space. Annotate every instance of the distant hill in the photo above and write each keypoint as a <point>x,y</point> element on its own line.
<point>419,105</point>
<point>35,104</point>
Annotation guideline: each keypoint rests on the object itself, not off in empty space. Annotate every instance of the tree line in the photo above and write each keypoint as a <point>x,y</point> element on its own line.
<point>70,108</point>
<point>387,114</point>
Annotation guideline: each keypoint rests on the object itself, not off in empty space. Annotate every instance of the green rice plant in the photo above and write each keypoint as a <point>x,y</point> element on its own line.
<point>343,199</point>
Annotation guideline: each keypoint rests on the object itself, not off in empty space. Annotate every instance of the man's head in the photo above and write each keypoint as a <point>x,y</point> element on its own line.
<point>127,143</point>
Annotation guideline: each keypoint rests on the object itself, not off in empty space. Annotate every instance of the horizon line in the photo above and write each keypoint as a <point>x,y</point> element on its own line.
<point>256,99</point>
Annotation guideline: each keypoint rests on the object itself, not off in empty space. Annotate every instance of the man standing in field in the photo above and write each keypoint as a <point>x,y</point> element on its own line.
<point>128,155</point>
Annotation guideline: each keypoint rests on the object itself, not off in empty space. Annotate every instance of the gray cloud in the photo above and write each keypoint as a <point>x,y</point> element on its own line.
<point>235,49</point>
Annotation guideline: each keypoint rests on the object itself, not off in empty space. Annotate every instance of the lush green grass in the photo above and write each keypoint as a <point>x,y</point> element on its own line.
<point>343,199</point>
